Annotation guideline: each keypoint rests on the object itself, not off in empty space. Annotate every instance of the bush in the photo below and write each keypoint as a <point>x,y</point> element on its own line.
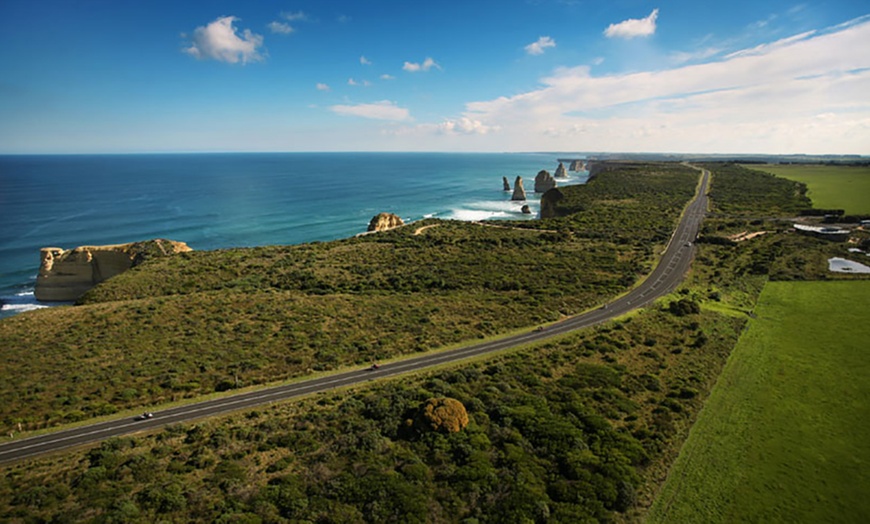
<point>445,415</point>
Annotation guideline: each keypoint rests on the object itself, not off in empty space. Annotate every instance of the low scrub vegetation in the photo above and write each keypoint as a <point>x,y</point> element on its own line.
<point>202,322</point>
<point>581,428</point>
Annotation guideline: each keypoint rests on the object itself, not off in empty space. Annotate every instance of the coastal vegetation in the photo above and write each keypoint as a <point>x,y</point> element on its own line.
<point>202,322</point>
<point>790,448</point>
<point>829,186</point>
<point>581,428</point>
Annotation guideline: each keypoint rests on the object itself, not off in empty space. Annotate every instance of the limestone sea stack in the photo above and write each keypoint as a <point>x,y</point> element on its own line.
<point>507,186</point>
<point>519,192</point>
<point>66,275</point>
<point>385,221</point>
<point>576,165</point>
<point>560,171</point>
<point>526,210</point>
<point>544,181</point>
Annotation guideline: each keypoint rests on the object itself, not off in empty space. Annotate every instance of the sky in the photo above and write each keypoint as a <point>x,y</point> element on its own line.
<point>744,76</point>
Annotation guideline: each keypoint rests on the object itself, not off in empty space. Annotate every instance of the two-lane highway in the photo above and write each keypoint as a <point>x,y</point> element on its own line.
<point>664,278</point>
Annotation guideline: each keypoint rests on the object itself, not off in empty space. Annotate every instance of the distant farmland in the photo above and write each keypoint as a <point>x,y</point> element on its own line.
<point>784,436</point>
<point>830,187</point>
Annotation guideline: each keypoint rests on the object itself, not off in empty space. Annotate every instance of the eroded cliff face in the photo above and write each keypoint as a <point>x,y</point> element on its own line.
<point>66,275</point>
<point>550,202</point>
<point>384,221</point>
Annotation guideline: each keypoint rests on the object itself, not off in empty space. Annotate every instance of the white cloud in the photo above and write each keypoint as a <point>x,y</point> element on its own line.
<point>764,99</point>
<point>351,82</point>
<point>363,83</point>
<point>383,110</point>
<point>413,67</point>
<point>633,27</point>
<point>364,61</point>
<point>322,87</point>
<point>387,77</point>
<point>220,41</point>
<point>537,48</point>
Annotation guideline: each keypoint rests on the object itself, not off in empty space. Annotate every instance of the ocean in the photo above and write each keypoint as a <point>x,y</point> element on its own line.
<point>223,200</point>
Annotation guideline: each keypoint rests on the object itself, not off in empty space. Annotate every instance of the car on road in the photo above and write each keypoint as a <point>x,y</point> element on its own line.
<point>145,416</point>
<point>375,366</point>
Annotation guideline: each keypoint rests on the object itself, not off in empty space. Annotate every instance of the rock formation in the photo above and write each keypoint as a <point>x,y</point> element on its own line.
<point>66,275</point>
<point>560,171</point>
<point>549,203</point>
<point>544,181</point>
<point>526,209</point>
<point>576,165</point>
<point>519,192</point>
<point>507,186</point>
<point>385,221</point>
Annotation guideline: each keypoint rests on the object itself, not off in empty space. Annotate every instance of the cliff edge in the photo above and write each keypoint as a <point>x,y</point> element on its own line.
<point>66,275</point>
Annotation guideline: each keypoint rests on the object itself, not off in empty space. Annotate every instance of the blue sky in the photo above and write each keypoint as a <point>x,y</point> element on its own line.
<point>477,75</point>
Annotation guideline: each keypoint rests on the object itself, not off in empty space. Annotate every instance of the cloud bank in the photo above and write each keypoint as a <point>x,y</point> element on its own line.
<point>220,41</point>
<point>805,93</point>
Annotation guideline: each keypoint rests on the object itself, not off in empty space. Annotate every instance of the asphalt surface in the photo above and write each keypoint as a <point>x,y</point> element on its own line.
<point>665,277</point>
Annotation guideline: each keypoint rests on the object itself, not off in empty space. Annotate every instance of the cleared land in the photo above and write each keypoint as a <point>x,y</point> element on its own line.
<point>830,187</point>
<point>784,435</point>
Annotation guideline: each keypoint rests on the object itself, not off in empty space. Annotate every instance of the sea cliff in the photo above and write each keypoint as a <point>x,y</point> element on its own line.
<point>66,275</point>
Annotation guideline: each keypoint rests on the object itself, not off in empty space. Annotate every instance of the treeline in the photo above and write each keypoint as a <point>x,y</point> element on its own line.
<point>737,190</point>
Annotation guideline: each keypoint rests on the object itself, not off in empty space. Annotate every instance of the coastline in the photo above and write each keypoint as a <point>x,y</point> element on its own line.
<point>268,199</point>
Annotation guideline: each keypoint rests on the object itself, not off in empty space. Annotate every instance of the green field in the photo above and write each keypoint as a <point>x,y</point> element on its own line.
<point>784,436</point>
<point>830,187</point>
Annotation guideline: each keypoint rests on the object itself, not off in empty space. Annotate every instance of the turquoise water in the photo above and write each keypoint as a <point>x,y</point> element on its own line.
<point>213,201</point>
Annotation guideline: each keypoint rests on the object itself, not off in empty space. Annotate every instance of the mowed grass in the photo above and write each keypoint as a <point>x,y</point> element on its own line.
<point>785,434</point>
<point>830,187</point>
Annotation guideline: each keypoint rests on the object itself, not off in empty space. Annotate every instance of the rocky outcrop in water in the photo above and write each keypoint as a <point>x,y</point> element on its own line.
<point>385,221</point>
<point>519,192</point>
<point>505,183</point>
<point>66,275</point>
<point>560,171</point>
<point>526,210</point>
<point>544,181</point>
<point>576,165</point>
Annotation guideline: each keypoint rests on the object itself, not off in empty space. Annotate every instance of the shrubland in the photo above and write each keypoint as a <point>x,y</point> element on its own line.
<point>201,322</point>
<point>581,428</point>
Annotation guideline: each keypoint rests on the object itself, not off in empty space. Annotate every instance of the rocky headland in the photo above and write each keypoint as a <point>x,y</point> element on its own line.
<point>385,221</point>
<point>67,274</point>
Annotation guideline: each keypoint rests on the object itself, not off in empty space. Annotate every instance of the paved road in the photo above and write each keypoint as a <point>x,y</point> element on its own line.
<point>666,276</point>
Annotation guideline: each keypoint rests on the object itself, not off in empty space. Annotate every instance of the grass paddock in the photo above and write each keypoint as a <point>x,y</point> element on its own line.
<point>830,187</point>
<point>784,435</point>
